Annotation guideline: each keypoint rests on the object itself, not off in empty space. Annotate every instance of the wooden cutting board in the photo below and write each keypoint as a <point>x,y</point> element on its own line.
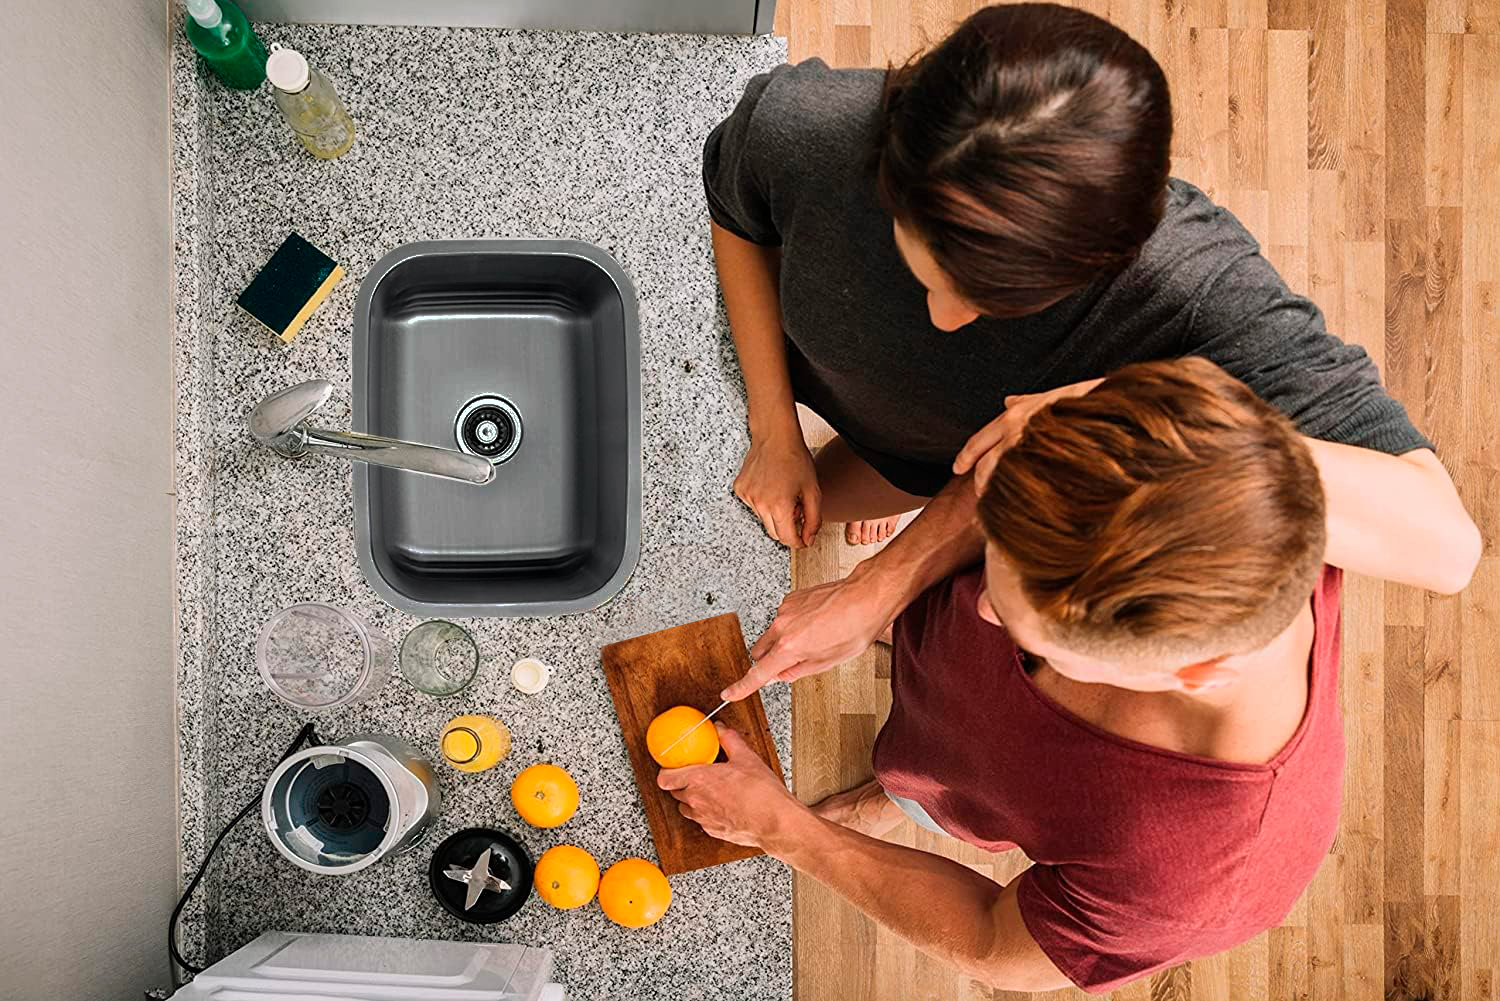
<point>683,666</point>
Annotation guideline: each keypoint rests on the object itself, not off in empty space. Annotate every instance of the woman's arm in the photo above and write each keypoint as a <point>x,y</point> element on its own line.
<point>1396,517</point>
<point>777,479</point>
<point>748,275</point>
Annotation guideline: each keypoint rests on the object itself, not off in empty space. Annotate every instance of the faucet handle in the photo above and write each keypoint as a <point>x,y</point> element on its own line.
<point>279,414</point>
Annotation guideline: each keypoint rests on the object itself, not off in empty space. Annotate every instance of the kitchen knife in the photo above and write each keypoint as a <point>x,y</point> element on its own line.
<point>664,750</point>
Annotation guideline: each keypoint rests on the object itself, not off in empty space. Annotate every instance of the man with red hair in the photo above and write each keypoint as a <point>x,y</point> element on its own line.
<point>1137,685</point>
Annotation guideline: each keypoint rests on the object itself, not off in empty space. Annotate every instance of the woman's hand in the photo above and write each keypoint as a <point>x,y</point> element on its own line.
<point>779,483</point>
<point>983,450</point>
<point>777,480</point>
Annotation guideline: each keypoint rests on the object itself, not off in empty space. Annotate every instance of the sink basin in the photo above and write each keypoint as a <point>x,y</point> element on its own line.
<point>525,352</point>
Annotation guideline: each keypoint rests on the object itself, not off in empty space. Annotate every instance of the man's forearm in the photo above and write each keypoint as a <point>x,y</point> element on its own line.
<point>943,539</point>
<point>748,276</point>
<point>943,908</point>
<point>1396,517</point>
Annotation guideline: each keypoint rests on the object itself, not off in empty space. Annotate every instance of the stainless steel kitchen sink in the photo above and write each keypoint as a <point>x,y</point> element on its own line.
<point>526,353</point>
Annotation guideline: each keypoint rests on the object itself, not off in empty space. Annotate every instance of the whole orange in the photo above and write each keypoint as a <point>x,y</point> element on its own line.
<point>634,893</point>
<point>566,877</point>
<point>700,748</point>
<point>544,796</point>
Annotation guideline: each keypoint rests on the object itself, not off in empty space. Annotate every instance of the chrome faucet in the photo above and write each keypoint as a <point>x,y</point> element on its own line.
<point>280,421</point>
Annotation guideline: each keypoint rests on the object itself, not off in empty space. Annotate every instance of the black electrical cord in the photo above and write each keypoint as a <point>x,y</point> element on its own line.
<point>307,733</point>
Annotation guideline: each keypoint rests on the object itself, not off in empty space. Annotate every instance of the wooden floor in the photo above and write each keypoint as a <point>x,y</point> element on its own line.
<point>1360,141</point>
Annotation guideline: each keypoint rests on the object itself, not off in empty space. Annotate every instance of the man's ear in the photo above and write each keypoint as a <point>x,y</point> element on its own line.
<point>985,609</point>
<point>1206,675</point>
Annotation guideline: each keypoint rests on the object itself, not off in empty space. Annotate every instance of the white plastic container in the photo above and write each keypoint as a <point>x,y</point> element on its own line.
<point>337,809</point>
<point>322,657</point>
<point>530,675</point>
<point>293,966</point>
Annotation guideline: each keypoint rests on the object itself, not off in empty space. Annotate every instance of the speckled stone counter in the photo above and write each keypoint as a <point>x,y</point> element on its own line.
<point>462,133</point>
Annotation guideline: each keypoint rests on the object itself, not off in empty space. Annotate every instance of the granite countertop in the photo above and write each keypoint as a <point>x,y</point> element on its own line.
<point>462,133</point>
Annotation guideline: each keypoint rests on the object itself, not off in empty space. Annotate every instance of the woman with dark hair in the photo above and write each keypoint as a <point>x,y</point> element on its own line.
<point>910,253</point>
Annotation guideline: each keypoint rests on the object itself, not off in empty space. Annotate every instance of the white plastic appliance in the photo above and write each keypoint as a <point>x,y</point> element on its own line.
<point>337,809</point>
<point>291,966</point>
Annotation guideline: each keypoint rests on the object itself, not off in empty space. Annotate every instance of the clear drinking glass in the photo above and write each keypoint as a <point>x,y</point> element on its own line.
<point>439,657</point>
<point>317,656</point>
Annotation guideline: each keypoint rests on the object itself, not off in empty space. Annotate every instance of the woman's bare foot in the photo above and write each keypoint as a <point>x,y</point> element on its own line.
<point>865,809</point>
<point>852,489</point>
<point>871,530</point>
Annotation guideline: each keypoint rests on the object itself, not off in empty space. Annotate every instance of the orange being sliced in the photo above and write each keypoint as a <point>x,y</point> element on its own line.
<point>700,748</point>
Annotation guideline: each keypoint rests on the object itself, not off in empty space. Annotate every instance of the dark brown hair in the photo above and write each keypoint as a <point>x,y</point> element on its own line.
<point>1168,512</point>
<point>1029,151</point>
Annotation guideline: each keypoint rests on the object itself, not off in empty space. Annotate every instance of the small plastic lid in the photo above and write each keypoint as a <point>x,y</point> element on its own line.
<point>205,12</point>
<point>287,70</point>
<point>530,675</point>
<point>460,745</point>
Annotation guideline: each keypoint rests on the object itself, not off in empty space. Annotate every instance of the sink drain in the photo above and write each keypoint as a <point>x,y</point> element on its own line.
<point>489,427</point>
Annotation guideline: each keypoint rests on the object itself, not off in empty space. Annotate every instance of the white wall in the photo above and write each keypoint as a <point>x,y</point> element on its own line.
<point>87,786</point>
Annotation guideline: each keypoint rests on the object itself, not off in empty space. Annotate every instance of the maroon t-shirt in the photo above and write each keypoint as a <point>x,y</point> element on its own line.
<point>1144,857</point>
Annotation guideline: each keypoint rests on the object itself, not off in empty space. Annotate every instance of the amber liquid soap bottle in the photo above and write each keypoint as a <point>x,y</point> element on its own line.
<point>309,104</point>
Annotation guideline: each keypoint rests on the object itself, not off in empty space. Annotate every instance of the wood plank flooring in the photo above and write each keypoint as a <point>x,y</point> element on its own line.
<point>1360,141</point>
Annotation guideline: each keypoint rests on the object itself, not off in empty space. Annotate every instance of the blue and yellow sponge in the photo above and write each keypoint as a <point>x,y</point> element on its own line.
<point>293,284</point>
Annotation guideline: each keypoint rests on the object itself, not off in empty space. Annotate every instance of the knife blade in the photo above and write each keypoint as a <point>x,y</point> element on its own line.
<point>690,729</point>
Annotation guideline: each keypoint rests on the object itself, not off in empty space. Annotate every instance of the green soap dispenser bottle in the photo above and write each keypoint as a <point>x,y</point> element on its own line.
<point>226,42</point>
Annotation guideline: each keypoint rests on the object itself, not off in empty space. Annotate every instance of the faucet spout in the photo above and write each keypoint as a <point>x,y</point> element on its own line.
<point>280,422</point>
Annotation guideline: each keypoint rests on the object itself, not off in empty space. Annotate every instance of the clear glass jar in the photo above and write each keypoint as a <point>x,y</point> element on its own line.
<point>319,656</point>
<point>439,658</point>
<point>309,104</point>
<point>473,743</point>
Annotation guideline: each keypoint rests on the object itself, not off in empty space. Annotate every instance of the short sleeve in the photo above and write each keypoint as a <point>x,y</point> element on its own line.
<point>1091,938</point>
<point>737,197</point>
<point>1250,324</point>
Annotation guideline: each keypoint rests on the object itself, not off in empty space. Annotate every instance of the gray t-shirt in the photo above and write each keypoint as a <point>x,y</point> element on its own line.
<point>793,167</point>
